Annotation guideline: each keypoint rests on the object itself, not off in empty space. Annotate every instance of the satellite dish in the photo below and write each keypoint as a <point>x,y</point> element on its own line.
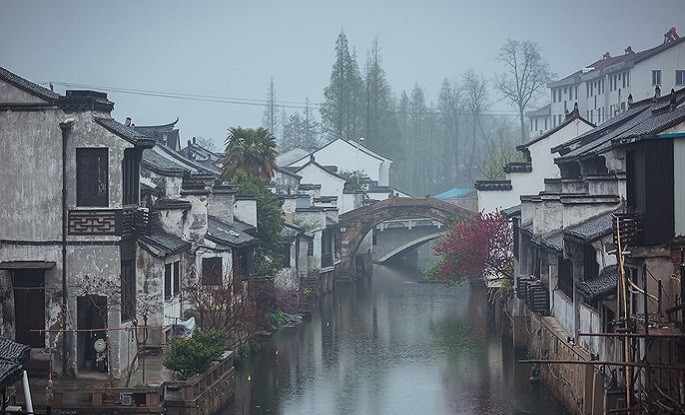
<point>100,345</point>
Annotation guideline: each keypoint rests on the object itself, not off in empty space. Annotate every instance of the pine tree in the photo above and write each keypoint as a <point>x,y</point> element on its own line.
<point>341,109</point>
<point>270,118</point>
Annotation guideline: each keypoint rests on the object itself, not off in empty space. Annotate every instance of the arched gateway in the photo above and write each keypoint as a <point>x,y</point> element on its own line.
<point>355,224</point>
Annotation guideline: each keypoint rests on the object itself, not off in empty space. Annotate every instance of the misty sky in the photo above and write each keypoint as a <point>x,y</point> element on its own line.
<point>230,49</point>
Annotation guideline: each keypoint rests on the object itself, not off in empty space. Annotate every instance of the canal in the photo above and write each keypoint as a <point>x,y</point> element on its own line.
<point>392,345</point>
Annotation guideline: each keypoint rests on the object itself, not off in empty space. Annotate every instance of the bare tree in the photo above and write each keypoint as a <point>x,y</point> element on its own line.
<point>226,307</point>
<point>526,72</point>
<point>477,101</point>
<point>111,289</point>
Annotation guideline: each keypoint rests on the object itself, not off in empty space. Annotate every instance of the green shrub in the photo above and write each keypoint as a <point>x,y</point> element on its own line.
<point>192,355</point>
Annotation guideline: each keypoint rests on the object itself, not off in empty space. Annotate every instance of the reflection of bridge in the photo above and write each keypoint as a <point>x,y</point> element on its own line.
<point>355,224</point>
<point>400,236</point>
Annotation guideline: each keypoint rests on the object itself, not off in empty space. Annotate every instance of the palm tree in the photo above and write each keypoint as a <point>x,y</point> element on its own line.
<point>249,152</point>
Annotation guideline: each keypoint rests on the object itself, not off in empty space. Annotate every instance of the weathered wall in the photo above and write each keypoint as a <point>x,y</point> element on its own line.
<point>566,382</point>
<point>30,151</point>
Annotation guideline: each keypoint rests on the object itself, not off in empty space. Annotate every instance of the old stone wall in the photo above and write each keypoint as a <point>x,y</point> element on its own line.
<point>568,383</point>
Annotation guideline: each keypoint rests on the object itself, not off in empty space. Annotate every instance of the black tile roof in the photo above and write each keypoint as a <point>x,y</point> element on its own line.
<point>227,233</point>
<point>168,243</point>
<point>172,204</point>
<point>591,229</point>
<point>28,86</point>
<point>601,141</point>
<point>602,285</point>
<point>518,167</point>
<point>493,185</point>
<point>160,164</point>
<point>164,134</point>
<point>655,124</point>
<point>554,240</point>
<point>127,133</point>
<point>511,211</point>
<point>13,356</point>
<point>603,128</point>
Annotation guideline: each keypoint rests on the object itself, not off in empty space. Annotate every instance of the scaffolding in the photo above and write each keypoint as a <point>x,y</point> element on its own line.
<point>647,375</point>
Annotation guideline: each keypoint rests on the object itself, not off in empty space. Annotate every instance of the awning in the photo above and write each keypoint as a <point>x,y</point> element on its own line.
<point>8,265</point>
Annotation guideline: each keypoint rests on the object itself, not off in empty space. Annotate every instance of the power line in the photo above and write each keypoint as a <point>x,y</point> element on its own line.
<point>179,95</point>
<point>229,100</point>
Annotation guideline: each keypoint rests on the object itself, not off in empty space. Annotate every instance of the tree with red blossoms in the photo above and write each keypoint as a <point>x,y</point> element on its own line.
<point>477,249</point>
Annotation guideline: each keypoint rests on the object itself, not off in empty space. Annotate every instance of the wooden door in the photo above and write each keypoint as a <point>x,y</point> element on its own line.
<point>29,306</point>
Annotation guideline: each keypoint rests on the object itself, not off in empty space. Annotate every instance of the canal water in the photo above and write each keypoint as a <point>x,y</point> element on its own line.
<point>391,345</point>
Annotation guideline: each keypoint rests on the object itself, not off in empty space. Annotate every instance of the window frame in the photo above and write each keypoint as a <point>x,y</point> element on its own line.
<point>130,177</point>
<point>172,277</point>
<point>656,77</point>
<point>681,81</point>
<point>212,271</point>
<point>92,174</point>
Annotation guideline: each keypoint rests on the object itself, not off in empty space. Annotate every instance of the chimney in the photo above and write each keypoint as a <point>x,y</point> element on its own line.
<point>311,157</point>
<point>193,140</point>
<point>629,50</point>
<point>657,93</point>
<point>128,122</point>
<point>630,100</point>
<point>672,104</point>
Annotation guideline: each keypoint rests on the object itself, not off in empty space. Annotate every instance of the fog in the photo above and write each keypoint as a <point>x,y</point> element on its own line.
<point>224,53</point>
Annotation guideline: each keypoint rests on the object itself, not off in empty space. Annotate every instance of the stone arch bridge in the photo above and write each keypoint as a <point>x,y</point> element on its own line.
<point>355,224</point>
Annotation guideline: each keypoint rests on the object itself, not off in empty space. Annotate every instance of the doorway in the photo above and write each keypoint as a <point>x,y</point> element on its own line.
<point>29,306</point>
<point>92,315</point>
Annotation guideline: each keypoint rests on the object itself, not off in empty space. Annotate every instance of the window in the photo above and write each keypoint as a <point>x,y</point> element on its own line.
<point>565,276</point>
<point>680,77</point>
<point>92,175</point>
<point>128,290</point>
<point>211,271</point>
<point>172,279</point>
<point>656,77</point>
<point>285,252</point>
<point>130,177</point>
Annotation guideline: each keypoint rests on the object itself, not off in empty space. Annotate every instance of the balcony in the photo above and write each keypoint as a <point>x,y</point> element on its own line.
<point>114,222</point>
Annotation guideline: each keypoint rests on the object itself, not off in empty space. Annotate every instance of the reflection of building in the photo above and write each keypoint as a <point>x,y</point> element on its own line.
<point>68,236</point>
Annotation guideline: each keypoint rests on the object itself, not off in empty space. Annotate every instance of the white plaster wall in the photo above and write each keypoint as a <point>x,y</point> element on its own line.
<point>347,157</point>
<point>563,311</point>
<point>331,185</point>
<point>668,61</point>
<point>221,205</point>
<point>195,223</point>
<point>590,322</point>
<point>542,159</point>
<point>492,200</point>
<point>246,211</point>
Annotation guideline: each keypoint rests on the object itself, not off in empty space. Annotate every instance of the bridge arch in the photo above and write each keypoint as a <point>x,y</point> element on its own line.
<point>355,224</point>
<point>410,245</point>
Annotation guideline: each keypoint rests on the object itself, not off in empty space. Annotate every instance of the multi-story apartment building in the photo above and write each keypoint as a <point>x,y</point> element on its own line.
<point>604,88</point>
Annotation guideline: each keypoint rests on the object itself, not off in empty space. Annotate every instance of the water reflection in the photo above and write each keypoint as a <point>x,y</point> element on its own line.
<point>390,346</point>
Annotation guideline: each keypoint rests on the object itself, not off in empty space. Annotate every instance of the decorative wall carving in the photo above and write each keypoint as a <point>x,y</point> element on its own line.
<point>95,222</point>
